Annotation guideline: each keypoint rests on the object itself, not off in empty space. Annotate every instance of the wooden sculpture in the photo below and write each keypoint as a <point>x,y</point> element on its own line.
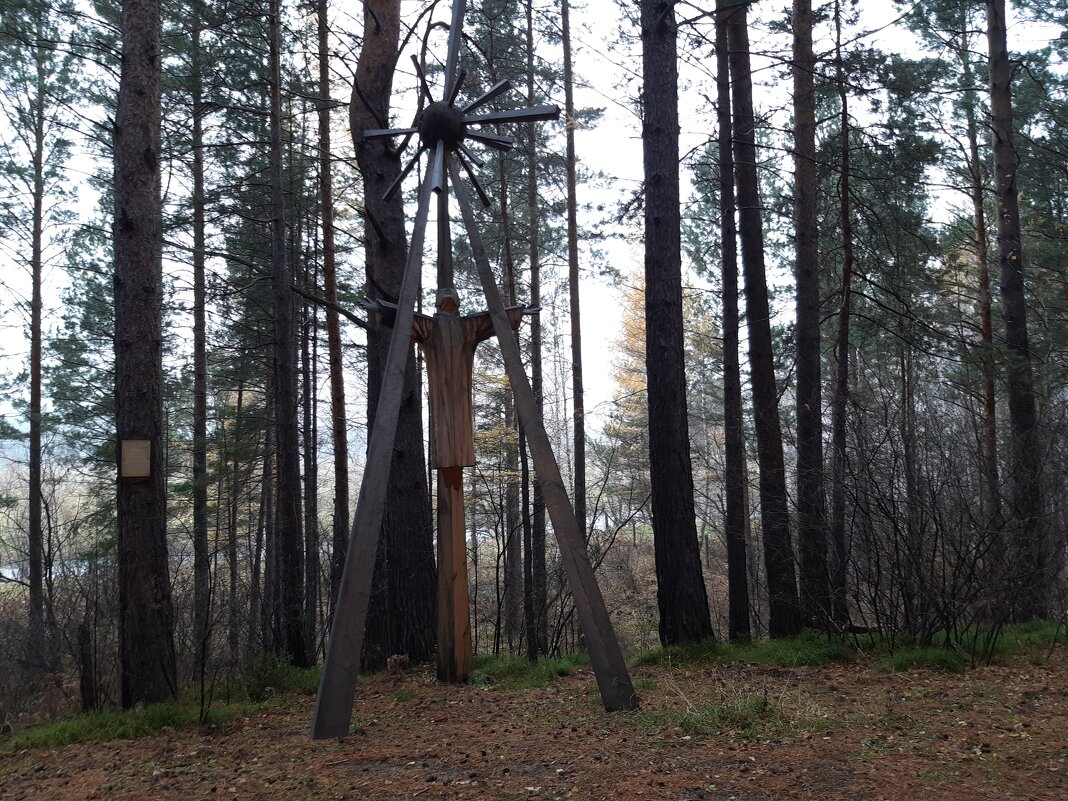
<point>443,129</point>
<point>448,342</point>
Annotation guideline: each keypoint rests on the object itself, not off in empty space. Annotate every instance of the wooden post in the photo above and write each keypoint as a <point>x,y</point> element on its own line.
<point>613,680</point>
<point>337,688</point>
<point>455,656</point>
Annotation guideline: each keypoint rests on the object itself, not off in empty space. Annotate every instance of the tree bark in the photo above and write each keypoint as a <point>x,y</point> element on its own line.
<point>309,359</point>
<point>734,438</point>
<point>1033,577</point>
<point>988,428</point>
<point>288,520</point>
<point>811,505</point>
<point>681,595</point>
<point>401,619</point>
<point>513,528</point>
<point>577,391</point>
<point>36,646</point>
<point>784,612</point>
<point>338,422</point>
<point>840,408</point>
<point>234,609</point>
<point>146,617</point>
<point>201,562</point>
<point>535,575</point>
<point>784,618</point>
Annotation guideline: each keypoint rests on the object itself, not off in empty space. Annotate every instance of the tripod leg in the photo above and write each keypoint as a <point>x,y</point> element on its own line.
<point>613,680</point>
<point>337,688</point>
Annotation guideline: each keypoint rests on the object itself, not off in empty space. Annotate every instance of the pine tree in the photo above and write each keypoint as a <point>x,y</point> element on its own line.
<point>146,616</point>
<point>38,84</point>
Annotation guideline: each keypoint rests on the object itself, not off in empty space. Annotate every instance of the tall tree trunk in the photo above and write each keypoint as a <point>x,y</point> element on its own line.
<point>840,408</point>
<point>234,611</point>
<point>288,522</point>
<point>1032,561</point>
<point>309,359</point>
<point>680,594</point>
<point>146,616</point>
<point>201,563</point>
<point>513,530</point>
<point>401,619</point>
<point>988,438</point>
<point>536,575</point>
<point>262,591</point>
<point>811,505</point>
<point>577,391</point>
<point>338,423</point>
<point>784,612</point>
<point>736,511</point>
<point>37,648</point>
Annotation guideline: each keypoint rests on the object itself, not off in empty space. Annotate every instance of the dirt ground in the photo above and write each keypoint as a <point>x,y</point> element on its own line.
<point>837,732</point>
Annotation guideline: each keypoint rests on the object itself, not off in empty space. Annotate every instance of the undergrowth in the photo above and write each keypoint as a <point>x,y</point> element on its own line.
<point>973,646</point>
<point>98,727</point>
<point>517,673</point>
<point>812,649</point>
<point>259,688</point>
<point>738,711</point>
<point>809,649</point>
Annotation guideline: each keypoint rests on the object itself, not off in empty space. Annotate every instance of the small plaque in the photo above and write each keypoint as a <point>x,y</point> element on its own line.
<point>136,462</point>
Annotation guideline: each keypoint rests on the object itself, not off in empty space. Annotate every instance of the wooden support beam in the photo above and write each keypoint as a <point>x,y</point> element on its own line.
<point>337,688</point>
<point>613,680</point>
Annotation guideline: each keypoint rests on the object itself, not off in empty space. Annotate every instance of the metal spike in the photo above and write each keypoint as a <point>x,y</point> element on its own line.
<point>393,187</point>
<point>452,57</point>
<point>422,77</point>
<point>437,169</point>
<point>470,156</point>
<point>380,133</point>
<point>482,196</point>
<point>494,91</point>
<point>451,97</point>
<point>531,114</point>
<point>492,140</point>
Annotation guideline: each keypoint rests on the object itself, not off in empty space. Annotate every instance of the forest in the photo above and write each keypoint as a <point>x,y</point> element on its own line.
<point>827,298</point>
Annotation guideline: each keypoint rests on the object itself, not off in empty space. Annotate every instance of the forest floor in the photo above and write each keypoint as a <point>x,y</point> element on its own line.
<point>736,731</point>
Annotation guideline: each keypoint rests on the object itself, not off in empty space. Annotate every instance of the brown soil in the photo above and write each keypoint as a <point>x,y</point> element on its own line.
<point>839,732</point>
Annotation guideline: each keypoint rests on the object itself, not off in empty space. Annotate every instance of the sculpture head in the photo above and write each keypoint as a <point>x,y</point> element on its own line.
<point>448,301</point>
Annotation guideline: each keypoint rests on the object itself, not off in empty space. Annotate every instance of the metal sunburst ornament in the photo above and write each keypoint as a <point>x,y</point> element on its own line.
<point>443,126</point>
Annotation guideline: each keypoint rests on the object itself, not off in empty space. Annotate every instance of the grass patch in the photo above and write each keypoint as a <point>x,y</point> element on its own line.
<point>253,691</point>
<point>99,727</point>
<point>1020,638</point>
<point>742,712</point>
<point>273,676</point>
<point>809,649</point>
<point>690,654</point>
<point>942,659</point>
<point>517,673</point>
<point>747,714</point>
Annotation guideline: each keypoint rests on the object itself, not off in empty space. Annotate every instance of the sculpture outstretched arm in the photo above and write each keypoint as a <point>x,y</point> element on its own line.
<point>484,323</point>
<point>387,315</point>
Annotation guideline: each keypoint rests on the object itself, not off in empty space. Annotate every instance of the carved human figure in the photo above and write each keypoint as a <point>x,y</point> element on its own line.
<point>449,341</point>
